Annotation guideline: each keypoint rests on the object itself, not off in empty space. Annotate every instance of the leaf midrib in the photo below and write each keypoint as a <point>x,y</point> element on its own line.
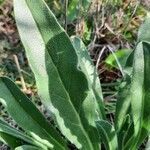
<point>80,122</point>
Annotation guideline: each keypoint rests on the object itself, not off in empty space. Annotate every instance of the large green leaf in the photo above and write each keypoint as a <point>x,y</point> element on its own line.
<point>146,89</point>
<point>63,87</point>
<point>136,92</point>
<point>28,116</point>
<point>140,96</point>
<point>144,37</point>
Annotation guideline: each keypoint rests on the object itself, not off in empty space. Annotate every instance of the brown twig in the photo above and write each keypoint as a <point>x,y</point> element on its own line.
<point>20,73</point>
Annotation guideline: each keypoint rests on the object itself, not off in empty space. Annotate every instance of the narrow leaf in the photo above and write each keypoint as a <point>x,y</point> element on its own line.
<point>140,96</point>
<point>13,137</point>
<point>27,115</point>
<point>137,89</point>
<point>27,147</point>
<point>107,135</point>
<point>146,103</point>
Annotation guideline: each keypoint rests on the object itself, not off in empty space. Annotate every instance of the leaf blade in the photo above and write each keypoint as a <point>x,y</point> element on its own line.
<point>13,137</point>
<point>50,53</point>
<point>26,147</point>
<point>87,66</point>
<point>140,109</point>
<point>107,135</point>
<point>15,101</point>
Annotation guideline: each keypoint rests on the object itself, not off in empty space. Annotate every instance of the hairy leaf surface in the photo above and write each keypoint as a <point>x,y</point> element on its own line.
<point>63,87</point>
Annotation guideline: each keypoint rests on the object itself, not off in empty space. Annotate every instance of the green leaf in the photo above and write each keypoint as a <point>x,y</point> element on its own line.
<point>107,135</point>
<point>124,97</point>
<point>27,115</point>
<point>63,87</point>
<point>121,55</point>
<point>13,137</point>
<point>146,103</point>
<point>10,140</point>
<point>136,90</point>
<point>27,147</point>
<point>87,66</point>
<point>140,94</point>
<point>125,133</point>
